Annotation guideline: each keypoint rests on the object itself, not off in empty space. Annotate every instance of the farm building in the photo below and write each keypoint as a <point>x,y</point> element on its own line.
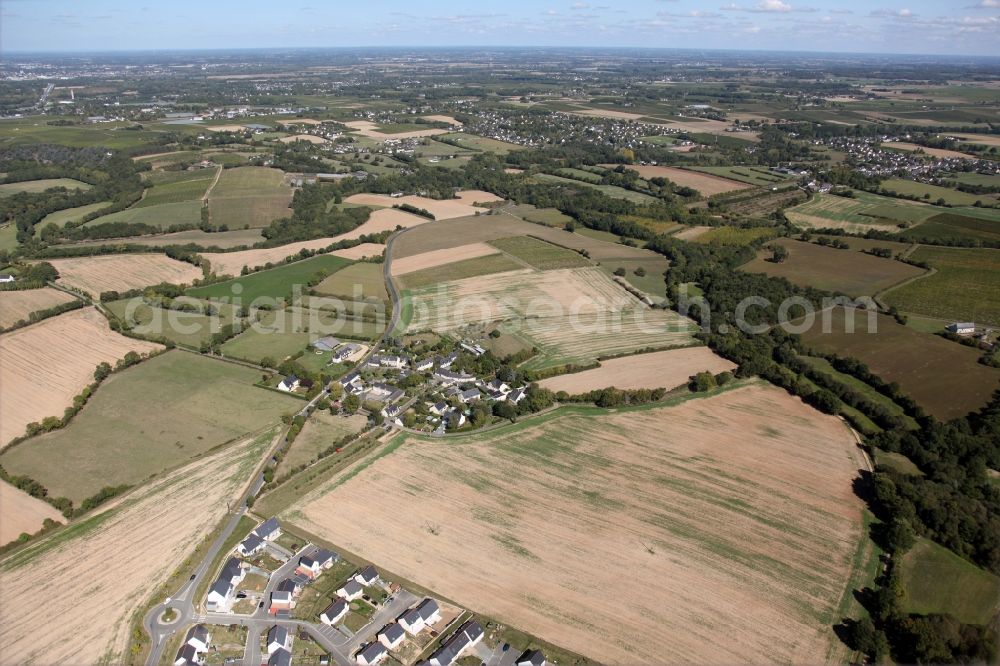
<point>325,344</point>
<point>962,328</point>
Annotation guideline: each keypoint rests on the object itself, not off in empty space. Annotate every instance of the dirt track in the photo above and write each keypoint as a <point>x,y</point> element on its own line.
<point>721,530</point>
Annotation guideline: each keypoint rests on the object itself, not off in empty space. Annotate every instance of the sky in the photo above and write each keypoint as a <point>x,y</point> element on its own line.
<point>949,27</point>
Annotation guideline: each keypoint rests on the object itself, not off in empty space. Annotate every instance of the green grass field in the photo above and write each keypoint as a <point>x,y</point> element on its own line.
<point>277,335</point>
<point>897,462</point>
<point>937,580</point>
<point>322,430</point>
<point>965,287</point>
<point>612,191</point>
<point>161,216</point>
<point>539,254</point>
<point>580,174</point>
<point>62,217</point>
<point>431,148</point>
<point>8,236</point>
<point>735,235</point>
<point>149,418</point>
<point>183,328</point>
<point>945,378</point>
<point>493,263</point>
<point>840,271</point>
<point>273,284</point>
<point>36,186</point>
<point>176,186</point>
<point>987,180</point>
<point>34,129</point>
<point>931,192</point>
<point>365,277</point>
<point>249,196</point>
<point>480,143</point>
<point>859,213</point>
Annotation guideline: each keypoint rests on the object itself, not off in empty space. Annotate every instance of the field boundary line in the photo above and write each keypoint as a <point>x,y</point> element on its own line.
<point>879,297</point>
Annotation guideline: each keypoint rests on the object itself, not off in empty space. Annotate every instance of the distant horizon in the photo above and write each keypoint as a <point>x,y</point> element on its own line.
<point>488,47</point>
<point>885,27</point>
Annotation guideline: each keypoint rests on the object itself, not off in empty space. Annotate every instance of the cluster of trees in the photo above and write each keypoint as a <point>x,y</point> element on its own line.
<point>112,177</point>
<point>32,276</point>
<point>39,315</point>
<point>311,219</point>
<point>614,397</point>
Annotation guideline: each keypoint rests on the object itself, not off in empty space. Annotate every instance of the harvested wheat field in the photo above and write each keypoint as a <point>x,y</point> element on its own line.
<point>308,138</point>
<point>441,209</point>
<point>444,119</point>
<point>45,365</point>
<point>96,578</point>
<point>22,513</point>
<point>719,530</point>
<point>121,272</point>
<point>437,258</point>
<point>705,183</point>
<point>384,219</point>
<point>360,251</point>
<point>370,130</point>
<point>231,263</point>
<point>664,369</point>
<point>17,305</point>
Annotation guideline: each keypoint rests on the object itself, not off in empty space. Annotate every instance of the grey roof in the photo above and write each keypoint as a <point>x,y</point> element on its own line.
<point>322,555</point>
<point>352,587</point>
<point>427,608</point>
<point>369,573</point>
<point>393,632</point>
<point>221,586</point>
<point>198,631</point>
<point>336,608</point>
<point>251,543</point>
<point>267,527</point>
<point>444,655</point>
<point>373,651</point>
<point>471,393</point>
<point>188,653</point>
<point>532,657</point>
<point>232,568</point>
<point>287,585</point>
<point>411,616</point>
<point>277,634</point>
<point>281,657</point>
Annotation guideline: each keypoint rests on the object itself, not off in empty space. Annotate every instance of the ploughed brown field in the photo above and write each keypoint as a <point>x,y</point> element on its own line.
<point>47,364</point>
<point>441,209</point>
<point>719,530</point>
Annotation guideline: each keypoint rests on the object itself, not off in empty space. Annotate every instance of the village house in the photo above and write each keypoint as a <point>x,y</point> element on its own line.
<point>532,658</point>
<point>278,638</point>
<point>335,612</point>
<point>416,619</point>
<point>367,576</point>
<point>471,395</point>
<point>280,658</point>
<point>467,636</point>
<point>281,600</point>
<point>424,365</point>
<point>351,590</point>
<point>220,596</point>
<point>372,654</point>
<point>269,530</point>
<point>198,638</point>
<point>391,635</point>
<point>251,545</point>
<point>345,351</point>
<point>188,656</point>
<point>448,360</point>
<point>289,384</point>
<point>517,395</point>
